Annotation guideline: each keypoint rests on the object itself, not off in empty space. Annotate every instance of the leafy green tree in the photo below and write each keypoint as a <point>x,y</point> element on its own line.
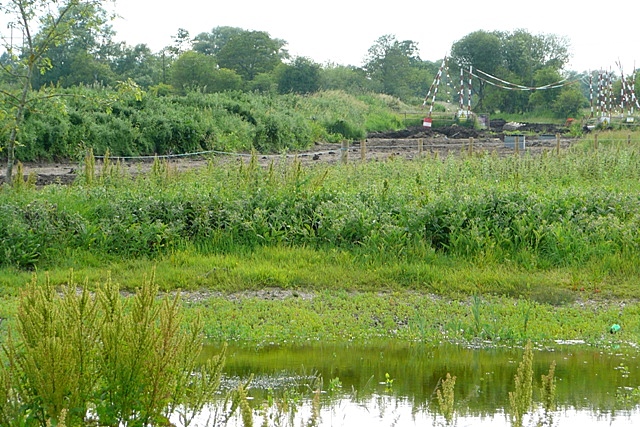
<point>391,64</point>
<point>196,70</point>
<point>84,56</point>
<point>569,102</point>
<point>224,80</point>
<point>264,82</point>
<point>519,58</point>
<point>31,57</point>
<point>181,42</point>
<point>137,63</point>
<point>192,69</point>
<point>545,97</point>
<point>482,50</point>
<point>303,76</point>
<point>349,79</point>
<point>81,67</point>
<point>500,99</point>
<point>251,53</point>
<point>419,80</point>
<point>211,43</point>
<point>525,53</point>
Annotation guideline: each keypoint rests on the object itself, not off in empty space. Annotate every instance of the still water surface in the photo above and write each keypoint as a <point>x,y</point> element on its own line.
<point>594,386</point>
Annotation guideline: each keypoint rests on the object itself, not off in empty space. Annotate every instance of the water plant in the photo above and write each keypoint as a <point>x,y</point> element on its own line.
<point>388,382</point>
<point>521,399</point>
<point>335,385</point>
<point>548,396</point>
<point>246,412</point>
<point>477,319</point>
<point>446,398</point>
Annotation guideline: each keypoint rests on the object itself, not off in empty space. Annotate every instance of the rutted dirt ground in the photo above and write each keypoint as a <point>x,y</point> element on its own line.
<point>379,146</point>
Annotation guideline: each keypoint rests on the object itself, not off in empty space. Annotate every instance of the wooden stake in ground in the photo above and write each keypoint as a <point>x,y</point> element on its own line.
<point>344,152</point>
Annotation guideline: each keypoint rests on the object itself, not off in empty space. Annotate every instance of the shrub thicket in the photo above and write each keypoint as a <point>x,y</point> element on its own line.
<point>102,119</point>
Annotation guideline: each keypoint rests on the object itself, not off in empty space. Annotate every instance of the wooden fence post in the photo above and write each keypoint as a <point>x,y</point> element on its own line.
<point>470,146</point>
<point>558,143</point>
<point>363,150</point>
<point>420,147</point>
<point>344,152</point>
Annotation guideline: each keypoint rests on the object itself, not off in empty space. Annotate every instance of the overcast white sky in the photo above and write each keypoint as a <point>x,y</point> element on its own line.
<point>341,31</point>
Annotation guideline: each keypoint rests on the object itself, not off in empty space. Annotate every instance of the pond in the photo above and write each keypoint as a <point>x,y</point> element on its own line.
<point>394,384</point>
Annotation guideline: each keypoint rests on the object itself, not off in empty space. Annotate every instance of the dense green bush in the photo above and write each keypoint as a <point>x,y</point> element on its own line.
<point>106,120</point>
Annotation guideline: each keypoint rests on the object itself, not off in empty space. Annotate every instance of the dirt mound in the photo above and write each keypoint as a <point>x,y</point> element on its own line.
<point>415,132</point>
<point>501,125</point>
<point>496,128</point>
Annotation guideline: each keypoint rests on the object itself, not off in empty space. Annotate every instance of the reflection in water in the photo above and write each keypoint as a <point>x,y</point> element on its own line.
<point>594,386</point>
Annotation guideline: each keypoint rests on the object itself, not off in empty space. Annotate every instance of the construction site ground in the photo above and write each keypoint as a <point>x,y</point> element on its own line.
<point>407,143</point>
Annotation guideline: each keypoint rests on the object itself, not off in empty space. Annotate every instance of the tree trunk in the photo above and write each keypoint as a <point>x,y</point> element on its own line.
<point>10,157</point>
<point>17,123</point>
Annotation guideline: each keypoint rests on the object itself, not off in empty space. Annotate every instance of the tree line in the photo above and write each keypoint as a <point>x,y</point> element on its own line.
<point>231,58</point>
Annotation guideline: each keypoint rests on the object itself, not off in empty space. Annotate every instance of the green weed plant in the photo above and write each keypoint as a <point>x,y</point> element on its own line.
<point>446,398</point>
<point>79,358</point>
<point>521,399</point>
<point>532,212</point>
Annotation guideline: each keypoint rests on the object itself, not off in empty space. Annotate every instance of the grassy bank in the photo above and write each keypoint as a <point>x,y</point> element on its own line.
<point>536,247</point>
<point>254,301</point>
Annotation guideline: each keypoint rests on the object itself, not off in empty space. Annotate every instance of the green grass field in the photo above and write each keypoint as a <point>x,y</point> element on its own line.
<point>460,248</point>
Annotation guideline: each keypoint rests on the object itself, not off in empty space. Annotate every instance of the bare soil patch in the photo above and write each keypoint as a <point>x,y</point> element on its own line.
<point>404,143</point>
